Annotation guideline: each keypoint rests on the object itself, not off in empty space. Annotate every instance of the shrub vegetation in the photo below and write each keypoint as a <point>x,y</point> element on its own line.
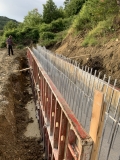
<point>91,18</point>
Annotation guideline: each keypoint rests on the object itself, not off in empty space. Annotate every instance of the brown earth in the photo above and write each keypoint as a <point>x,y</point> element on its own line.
<point>14,116</point>
<point>104,58</point>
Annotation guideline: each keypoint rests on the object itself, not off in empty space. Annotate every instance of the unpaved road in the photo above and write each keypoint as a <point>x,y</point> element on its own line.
<point>19,140</point>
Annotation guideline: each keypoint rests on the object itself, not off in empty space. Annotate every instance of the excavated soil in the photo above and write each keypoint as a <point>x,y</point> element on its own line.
<point>14,116</point>
<point>104,58</point>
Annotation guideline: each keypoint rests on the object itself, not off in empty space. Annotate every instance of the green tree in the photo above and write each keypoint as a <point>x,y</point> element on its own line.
<point>33,18</point>
<point>10,25</point>
<point>94,11</point>
<point>73,7</point>
<point>100,10</point>
<point>50,12</point>
<point>61,13</point>
<point>66,2</point>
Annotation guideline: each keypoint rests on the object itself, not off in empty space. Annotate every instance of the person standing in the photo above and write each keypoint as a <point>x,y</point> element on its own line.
<point>9,43</point>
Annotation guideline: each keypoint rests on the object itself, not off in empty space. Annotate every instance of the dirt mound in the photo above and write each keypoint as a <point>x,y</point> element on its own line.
<point>13,114</point>
<point>105,58</point>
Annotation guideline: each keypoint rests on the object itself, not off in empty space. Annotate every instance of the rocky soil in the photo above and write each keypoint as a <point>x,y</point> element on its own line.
<point>14,116</point>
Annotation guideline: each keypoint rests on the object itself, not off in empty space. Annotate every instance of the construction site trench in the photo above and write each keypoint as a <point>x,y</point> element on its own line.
<point>19,131</point>
<point>58,110</point>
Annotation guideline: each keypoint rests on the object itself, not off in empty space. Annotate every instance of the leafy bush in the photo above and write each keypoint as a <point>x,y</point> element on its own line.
<point>32,34</point>
<point>2,41</point>
<point>13,33</point>
<point>94,11</point>
<point>82,20</point>
<point>45,27</point>
<point>61,24</point>
<point>73,7</point>
<point>1,32</point>
<point>68,21</point>
<point>56,25</point>
<point>22,36</point>
<point>103,28</point>
<point>58,37</point>
<point>47,35</point>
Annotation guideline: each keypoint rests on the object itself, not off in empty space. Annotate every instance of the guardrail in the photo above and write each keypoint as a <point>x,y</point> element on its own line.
<point>63,136</point>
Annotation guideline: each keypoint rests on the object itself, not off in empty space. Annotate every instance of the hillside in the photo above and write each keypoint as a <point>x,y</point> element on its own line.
<point>4,20</point>
<point>94,39</point>
<point>104,58</point>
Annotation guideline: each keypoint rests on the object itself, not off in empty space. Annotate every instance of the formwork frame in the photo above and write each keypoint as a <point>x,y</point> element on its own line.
<point>63,136</point>
<point>77,84</point>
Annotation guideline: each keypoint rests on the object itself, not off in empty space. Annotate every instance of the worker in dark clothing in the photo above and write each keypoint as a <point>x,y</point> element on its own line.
<point>9,43</point>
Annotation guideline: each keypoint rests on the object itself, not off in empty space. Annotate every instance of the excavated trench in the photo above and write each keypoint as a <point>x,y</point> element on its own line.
<point>14,118</point>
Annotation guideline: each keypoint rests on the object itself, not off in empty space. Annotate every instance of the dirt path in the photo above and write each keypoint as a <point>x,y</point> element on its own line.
<point>6,68</point>
<point>19,131</point>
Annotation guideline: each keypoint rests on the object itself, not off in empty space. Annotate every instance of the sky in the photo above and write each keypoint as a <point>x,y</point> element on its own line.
<point>18,9</point>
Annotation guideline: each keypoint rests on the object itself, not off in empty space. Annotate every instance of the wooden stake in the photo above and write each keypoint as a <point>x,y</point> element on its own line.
<point>97,120</point>
<point>22,70</point>
<point>80,56</point>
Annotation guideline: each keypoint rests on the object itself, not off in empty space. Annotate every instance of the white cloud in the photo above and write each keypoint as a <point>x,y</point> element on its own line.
<point>19,9</point>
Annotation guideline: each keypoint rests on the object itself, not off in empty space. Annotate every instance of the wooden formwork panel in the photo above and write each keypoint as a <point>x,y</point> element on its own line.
<point>63,136</point>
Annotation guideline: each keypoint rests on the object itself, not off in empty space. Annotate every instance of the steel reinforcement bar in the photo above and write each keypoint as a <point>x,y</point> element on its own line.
<point>63,136</point>
<point>77,86</point>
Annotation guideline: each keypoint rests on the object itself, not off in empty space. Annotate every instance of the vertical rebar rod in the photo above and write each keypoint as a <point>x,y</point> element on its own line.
<point>105,121</point>
<point>113,134</point>
<point>115,114</point>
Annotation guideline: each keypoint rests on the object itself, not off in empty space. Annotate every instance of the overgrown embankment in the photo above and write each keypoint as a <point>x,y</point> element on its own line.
<point>94,38</point>
<point>104,59</point>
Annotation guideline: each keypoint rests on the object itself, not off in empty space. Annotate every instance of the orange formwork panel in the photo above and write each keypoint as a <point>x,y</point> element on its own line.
<point>63,136</point>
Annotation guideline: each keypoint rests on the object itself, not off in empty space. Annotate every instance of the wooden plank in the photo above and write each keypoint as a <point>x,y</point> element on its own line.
<point>97,119</point>
<point>25,69</point>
